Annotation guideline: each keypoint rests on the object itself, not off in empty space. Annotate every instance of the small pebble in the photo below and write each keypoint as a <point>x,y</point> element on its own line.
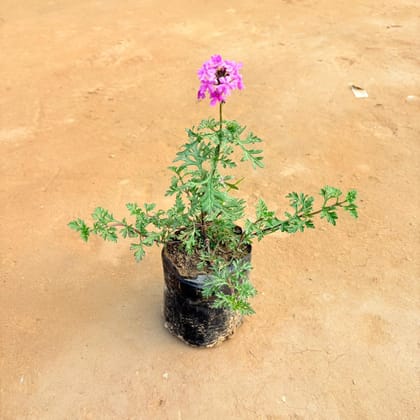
<point>412,98</point>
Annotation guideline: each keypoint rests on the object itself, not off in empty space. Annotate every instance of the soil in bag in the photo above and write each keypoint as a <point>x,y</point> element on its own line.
<point>188,314</point>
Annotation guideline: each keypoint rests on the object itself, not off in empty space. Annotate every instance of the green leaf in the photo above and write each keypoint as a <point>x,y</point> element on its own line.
<point>251,139</point>
<point>250,155</point>
<point>150,239</point>
<point>234,128</point>
<point>139,252</point>
<point>133,208</point>
<point>330,192</point>
<point>128,230</point>
<point>108,233</point>
<point>262,211</point>
<point>179,205</point>
<point>235,185</point>
<point>227,163</point>
<point>209,123</point>
<point>352,209</point>
<point>80,226</point>
<point>309,224</point>
<point>230,286</point>
<point>209,199</point>
<point>149,207</point>
<point>329,214</point>
<point>351,196</point>
<point>307,205</point>
<point>102,215</point>
<point>188,238</point>
<point>294,200</point>
<point>174,187</point>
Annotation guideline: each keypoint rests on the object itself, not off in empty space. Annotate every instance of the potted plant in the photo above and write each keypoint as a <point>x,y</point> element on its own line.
<point>206,238</point>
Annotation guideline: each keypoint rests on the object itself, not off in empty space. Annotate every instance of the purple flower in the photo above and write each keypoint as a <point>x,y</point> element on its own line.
<point>219,77</point>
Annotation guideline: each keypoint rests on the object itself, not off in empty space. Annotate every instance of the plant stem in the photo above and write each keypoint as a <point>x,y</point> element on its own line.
<point>273,229</point>
<point>203,229</point>
<point>338,203</point>
<point>213,171</point>
<point>119,224</point>
<point>220,116</point>
<point>217,152</point>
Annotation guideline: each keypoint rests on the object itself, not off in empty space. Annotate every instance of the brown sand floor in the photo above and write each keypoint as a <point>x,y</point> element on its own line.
<point>94,99</point>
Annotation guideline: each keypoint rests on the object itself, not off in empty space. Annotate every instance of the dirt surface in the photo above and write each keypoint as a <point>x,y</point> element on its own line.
<point>94,99</point>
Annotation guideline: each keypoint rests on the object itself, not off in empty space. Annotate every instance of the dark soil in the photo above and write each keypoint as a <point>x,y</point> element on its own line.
<point>186,264</point>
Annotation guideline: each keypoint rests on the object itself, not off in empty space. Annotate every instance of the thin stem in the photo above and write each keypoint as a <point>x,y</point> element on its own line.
<point>217,153</point>
<point>337,203</point>
<point>273,229</point>
<point>119,224</point>
<point>210,180</point>
<point>203,226</point>
<point>220,116</point>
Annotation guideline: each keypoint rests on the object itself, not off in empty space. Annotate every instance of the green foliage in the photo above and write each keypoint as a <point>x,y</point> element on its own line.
<point>80,226</point>
<point>102,225</point>
<point>330,192</point>
<point>229,285</point>
<point>139,252</point>
<point>251,154</point>
<point>351,207</point>
<point>303,214</point>
<point>206,212</point>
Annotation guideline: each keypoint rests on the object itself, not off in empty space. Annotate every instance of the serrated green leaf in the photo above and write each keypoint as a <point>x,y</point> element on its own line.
<point>249,155</point>
<point>330,215</point>
<point>80,226</point>
<point>309,224</point>
<point>102,215</point>
<point>149,240</point>
<point>330,192</point>
<point>133,208</point>
<point>139,252</point>
<point>149,207</point>
<point>351,196</point>
<point>251,139</point>
<point>352,209</point>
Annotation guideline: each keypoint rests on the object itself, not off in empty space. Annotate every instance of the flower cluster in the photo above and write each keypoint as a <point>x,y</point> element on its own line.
<point>219,77</point>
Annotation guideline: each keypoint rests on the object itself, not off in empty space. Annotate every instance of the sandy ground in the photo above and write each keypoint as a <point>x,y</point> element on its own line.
<point>94,99</point>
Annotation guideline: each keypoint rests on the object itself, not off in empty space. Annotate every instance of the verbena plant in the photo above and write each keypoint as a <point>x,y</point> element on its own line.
<point>205,217</point>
